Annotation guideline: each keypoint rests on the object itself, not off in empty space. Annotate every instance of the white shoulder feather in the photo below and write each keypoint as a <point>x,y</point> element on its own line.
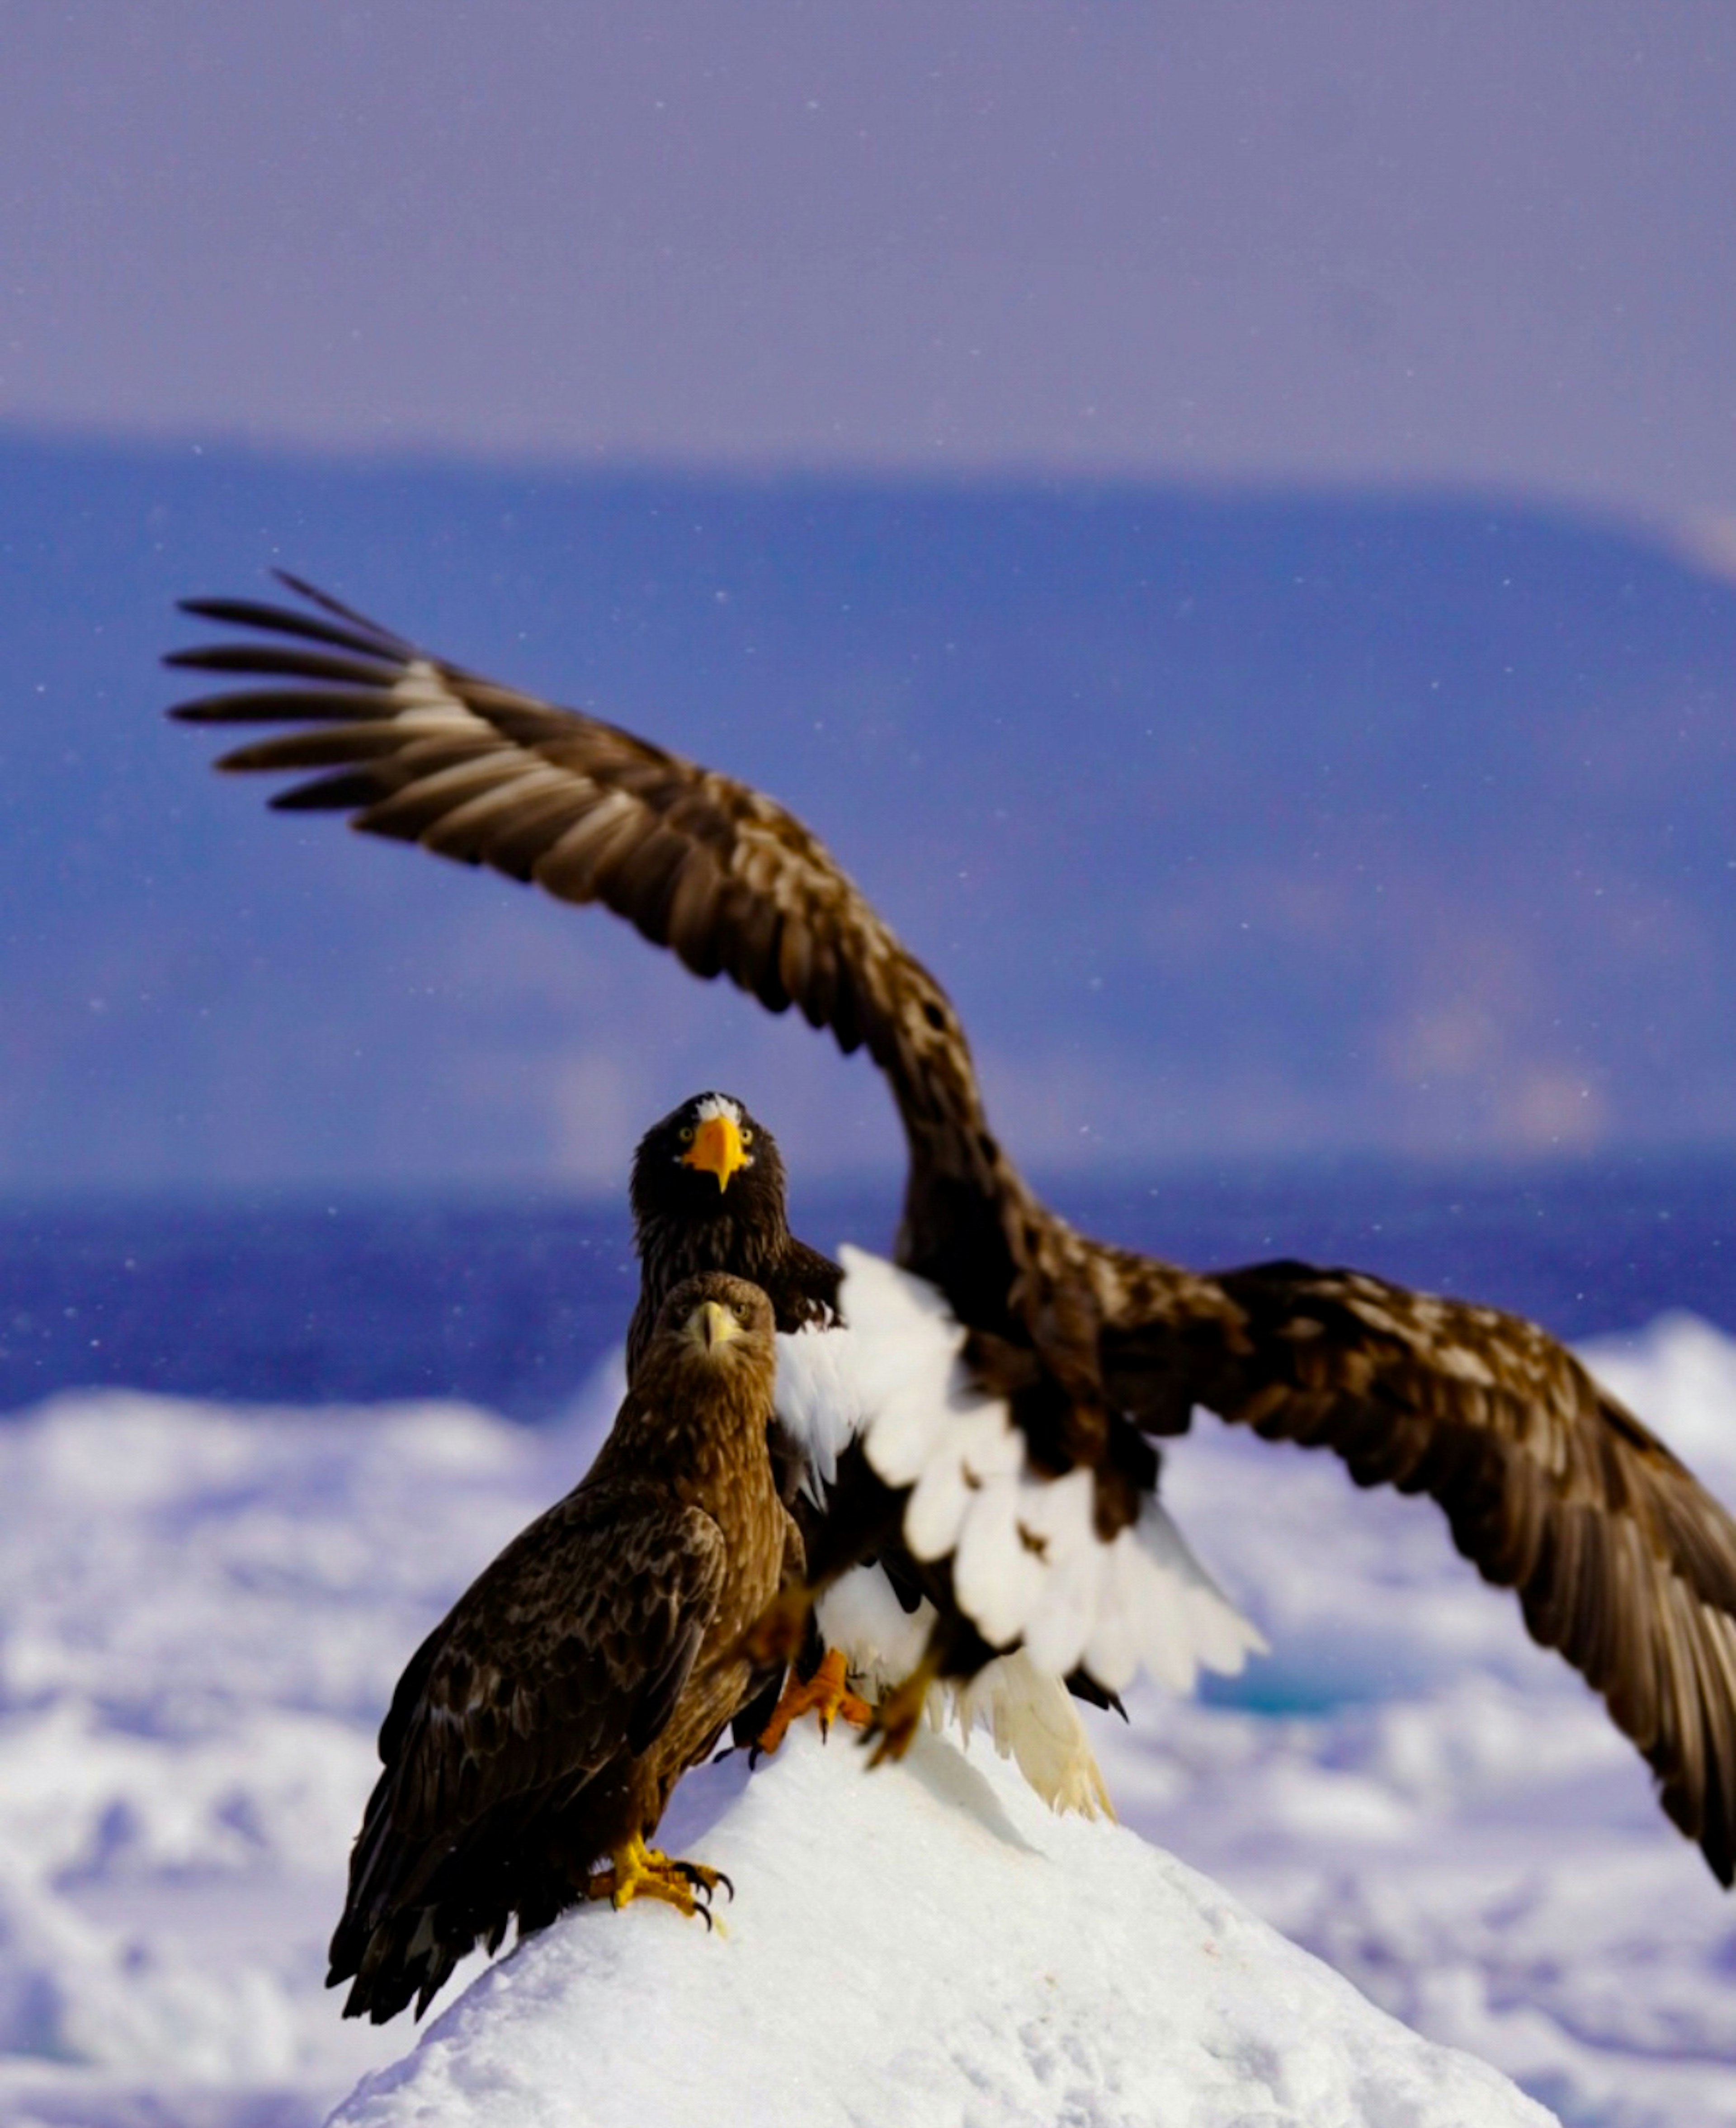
<point>817,1402</point>
<point>1028,1562</point>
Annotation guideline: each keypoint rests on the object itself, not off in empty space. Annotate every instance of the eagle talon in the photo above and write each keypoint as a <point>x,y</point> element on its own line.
<point>898,1717</point>
<point>638,1872</point>
<point>826,1694</point>
<point>704,1879</point>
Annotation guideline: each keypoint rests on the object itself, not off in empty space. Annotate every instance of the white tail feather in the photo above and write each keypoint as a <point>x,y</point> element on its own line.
<point>1033,1721</point>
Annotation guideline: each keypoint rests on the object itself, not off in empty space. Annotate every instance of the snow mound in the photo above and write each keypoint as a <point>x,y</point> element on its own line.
<point>203,1610</point>
<point>922,1943</point>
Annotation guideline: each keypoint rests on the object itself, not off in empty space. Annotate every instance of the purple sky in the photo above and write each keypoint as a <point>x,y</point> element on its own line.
<point>1477,243</point>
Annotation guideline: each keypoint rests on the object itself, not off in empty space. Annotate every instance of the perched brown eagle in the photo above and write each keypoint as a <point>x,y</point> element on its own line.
<point>1063,1356</point>
<point>540,1727</point>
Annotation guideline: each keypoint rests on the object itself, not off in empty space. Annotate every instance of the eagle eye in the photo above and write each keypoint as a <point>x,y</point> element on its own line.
<point>687,1133</point>
<point>748,1138</point>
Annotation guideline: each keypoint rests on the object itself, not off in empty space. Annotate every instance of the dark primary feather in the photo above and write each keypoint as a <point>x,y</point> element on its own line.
<point>546,1717</point>
<point>1621,1559</point>
<point>724,877</point>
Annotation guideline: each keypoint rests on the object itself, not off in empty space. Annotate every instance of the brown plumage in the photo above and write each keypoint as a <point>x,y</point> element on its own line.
<point>541,1727</point>
<point>707,1193</point>
<point>689,1215</point>
<point>1621,1559</point>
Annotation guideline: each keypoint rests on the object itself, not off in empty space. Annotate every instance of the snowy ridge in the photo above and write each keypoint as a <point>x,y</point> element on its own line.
<point>1005,1967</point>
<point>203,1611</point>
<point>1028,1562</point>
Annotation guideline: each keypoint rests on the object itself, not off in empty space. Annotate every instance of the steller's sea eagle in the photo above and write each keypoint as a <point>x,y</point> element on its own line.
<point>1027,1494</point>
<point>708,1193</point>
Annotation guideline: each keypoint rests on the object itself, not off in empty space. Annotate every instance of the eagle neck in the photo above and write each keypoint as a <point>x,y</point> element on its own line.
<point>703,1439</point>
<point>672,1248</point>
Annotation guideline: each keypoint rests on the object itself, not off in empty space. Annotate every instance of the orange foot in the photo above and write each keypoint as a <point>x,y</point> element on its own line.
<point>825,1694</point>
<point>638,1872</point>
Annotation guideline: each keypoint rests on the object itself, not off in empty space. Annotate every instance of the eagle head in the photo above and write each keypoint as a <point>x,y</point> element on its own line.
<point>713,1321</point>
<point>707,1158</point>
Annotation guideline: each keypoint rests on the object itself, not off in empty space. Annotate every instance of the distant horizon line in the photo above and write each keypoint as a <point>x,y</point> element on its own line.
<point>432,454</point>
<point>1475,1171</point>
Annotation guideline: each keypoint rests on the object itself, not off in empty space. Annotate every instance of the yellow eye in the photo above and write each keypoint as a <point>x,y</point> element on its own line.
<point>687,1133</point>
<point>746,1137</point>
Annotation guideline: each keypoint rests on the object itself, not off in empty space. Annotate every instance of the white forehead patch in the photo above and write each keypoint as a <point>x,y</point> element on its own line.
<point>713,1106</point>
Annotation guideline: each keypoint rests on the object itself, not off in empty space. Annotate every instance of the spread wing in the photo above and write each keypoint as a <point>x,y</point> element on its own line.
<point>1621,1558</point>
<point>572,1647</point>
<point>414,748</point>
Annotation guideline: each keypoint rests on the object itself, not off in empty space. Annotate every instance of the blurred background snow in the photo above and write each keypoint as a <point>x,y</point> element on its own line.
<point>1225,519</point>
<point>207,1607</point>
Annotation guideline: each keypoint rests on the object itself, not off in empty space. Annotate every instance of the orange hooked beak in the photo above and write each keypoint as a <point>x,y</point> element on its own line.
<point>717,1148</point>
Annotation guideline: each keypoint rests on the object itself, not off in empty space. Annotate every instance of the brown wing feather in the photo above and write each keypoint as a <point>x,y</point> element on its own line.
<point>417,748</point>
<point>544,1671</point>
<point>1621,1560</point>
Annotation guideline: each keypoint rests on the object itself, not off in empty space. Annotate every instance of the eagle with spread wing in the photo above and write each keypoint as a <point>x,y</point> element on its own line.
<point>1016,1374</point>
<point>707,1193</point>
<point>541,1727</point>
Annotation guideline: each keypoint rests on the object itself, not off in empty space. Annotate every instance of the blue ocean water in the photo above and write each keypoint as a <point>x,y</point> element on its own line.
<point>509,1303</point>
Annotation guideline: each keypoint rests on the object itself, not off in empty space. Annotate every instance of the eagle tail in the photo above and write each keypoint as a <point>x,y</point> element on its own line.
<point>412,1913</point>
<point>1031,1717</point>
<point>409,1955</point>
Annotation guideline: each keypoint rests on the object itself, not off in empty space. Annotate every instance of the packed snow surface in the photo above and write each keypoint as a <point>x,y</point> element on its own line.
<point>925,1945</point>
<point>203,1610</point>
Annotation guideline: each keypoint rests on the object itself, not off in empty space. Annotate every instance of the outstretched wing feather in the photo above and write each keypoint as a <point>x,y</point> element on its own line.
<point>1621,1559</point>
<point>420,750</point>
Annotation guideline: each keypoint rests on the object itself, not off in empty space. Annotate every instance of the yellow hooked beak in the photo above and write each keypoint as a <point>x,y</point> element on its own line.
<point>712,1324</point>
<point>717,1147</point>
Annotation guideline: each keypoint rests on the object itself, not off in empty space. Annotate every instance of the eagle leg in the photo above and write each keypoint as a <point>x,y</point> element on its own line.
<point>899,1715</point>
<point>775,1638</point>
<point>638,1872</point>
<point>826,1693</point>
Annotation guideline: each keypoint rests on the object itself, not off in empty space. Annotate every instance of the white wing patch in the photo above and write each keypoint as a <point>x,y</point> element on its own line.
<point>1027,1563</point>
<point>818,1400</point>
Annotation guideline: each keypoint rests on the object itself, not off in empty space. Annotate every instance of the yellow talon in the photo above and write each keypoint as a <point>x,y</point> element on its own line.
<point>638,1872</point>
<point>826,1693</point>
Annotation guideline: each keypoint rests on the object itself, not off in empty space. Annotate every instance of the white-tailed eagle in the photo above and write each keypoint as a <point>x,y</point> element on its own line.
<point>541,1727</point>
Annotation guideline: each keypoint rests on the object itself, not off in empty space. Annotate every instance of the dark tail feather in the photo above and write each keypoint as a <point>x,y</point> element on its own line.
<point>410,1955</point>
